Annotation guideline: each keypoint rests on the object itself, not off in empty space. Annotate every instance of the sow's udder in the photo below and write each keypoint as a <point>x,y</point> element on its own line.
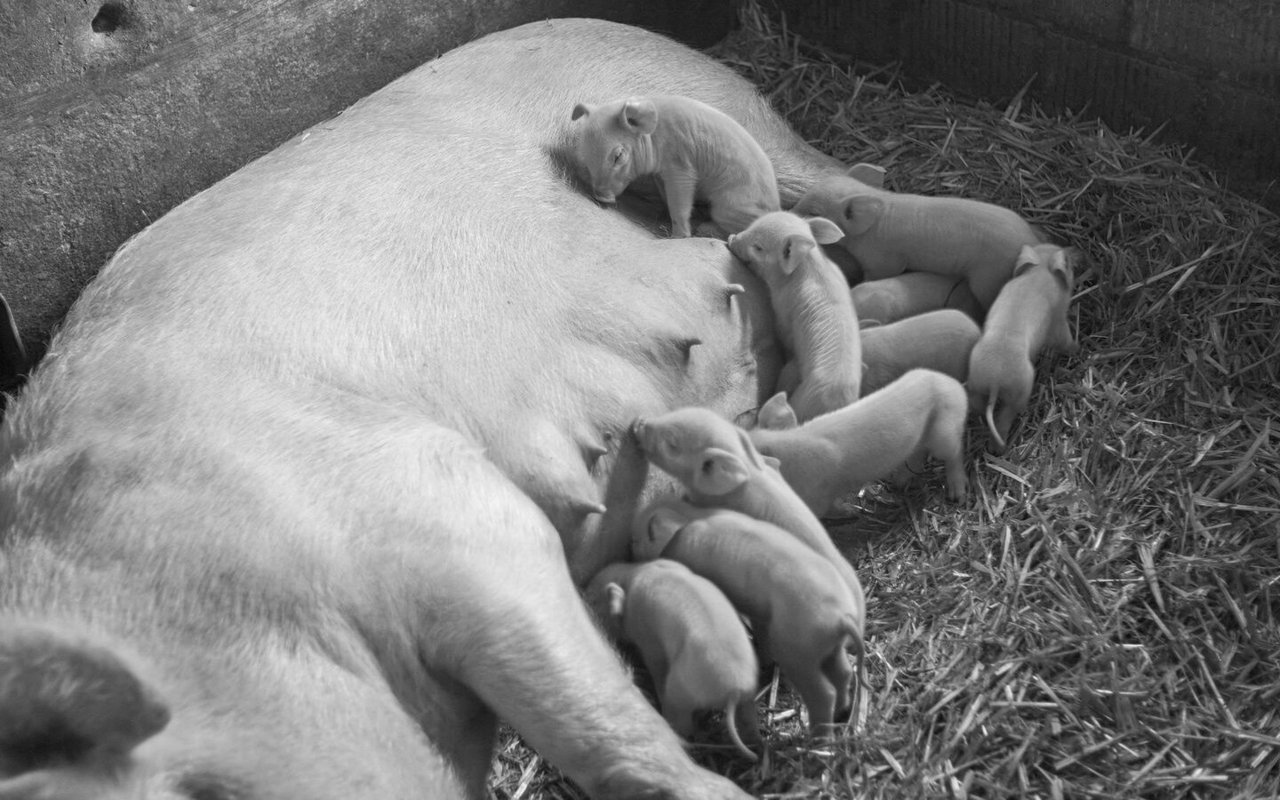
<point>648,325</point>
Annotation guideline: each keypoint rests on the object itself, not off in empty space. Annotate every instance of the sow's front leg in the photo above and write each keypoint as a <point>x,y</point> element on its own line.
<point>499,614</point>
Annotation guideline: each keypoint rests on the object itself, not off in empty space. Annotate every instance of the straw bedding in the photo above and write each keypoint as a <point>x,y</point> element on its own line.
<point>1102,617</point>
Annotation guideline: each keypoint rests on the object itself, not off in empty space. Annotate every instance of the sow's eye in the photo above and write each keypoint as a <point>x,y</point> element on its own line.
<point>619,155</point>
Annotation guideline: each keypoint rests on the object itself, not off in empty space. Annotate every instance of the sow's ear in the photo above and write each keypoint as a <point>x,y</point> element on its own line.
<point>719,472</point>
<point>825,231</point>
<point>860,213</point>
<point>869,174</point>
<point>581,110</point>
<point>640,115</point>
<point>1027,258</point>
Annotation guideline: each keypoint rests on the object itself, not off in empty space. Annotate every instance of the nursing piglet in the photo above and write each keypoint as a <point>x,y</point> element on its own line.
<point>697,153</point>
<point>890,299</point>
<point>690,637</point>
<point>1030,314</point>
<point>719,466</point>
<point>939,340</point>
<point>923,412</point>
<point>890,233</point>
<point>800,610</point>
<point>811,305</point>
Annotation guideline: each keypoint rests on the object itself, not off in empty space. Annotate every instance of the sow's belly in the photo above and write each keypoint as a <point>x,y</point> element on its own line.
<point>433,254</point>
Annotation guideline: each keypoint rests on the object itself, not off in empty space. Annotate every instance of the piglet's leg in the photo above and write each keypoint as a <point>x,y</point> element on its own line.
<point>677,709</point>
<point>818,693</point>
<point>679,186</point>
<point>747,720</point>
<point>838,671</point>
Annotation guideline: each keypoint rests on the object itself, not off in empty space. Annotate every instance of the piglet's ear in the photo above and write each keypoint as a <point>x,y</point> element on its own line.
<point>664,524</point>
<point>719,472</point>
<point>825,231</point>
<point>581,110</point>
<point>795,250</point>
<point>748,419</point>
<point>860,213</point>
<point>640,115</point>
<point>1027,258</point>
<point>777,413</point>
<point>1062,265</point>
<point>617,599</point>
<point>869,174</point>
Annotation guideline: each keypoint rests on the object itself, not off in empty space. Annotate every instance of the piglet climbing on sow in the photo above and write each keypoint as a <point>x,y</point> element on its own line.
<point>697,153</point>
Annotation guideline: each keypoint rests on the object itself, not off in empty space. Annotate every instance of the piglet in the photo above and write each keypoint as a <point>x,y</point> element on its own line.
<point>810,298</point>
<point>888,300</point>
<point>719,466</point>
<point>923,412</point>
<point>938,340</point>
<point>890,233</point>
<point>690,637</point>
<point>801,611</point>
<point>1029,315</point>
<point>694,150</point>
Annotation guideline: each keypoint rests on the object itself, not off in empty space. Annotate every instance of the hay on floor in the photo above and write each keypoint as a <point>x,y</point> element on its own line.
<point>1102,618</point>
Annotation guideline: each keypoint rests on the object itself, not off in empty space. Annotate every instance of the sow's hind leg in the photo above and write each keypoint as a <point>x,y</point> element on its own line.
<point>484,573</point>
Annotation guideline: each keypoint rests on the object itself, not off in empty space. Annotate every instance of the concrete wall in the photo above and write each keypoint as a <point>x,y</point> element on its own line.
<point>1210,69</point>
<point>114,111</point>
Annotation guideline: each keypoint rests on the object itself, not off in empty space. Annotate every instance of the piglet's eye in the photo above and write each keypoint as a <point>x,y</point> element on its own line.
<point>786,251</point>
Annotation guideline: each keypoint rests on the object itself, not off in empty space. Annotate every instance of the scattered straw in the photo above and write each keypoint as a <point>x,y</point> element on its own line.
<point>1102,619</point>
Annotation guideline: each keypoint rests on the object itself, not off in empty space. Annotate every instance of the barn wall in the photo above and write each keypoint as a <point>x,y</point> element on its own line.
<point>114,111</point>
<point>1210,69</point>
